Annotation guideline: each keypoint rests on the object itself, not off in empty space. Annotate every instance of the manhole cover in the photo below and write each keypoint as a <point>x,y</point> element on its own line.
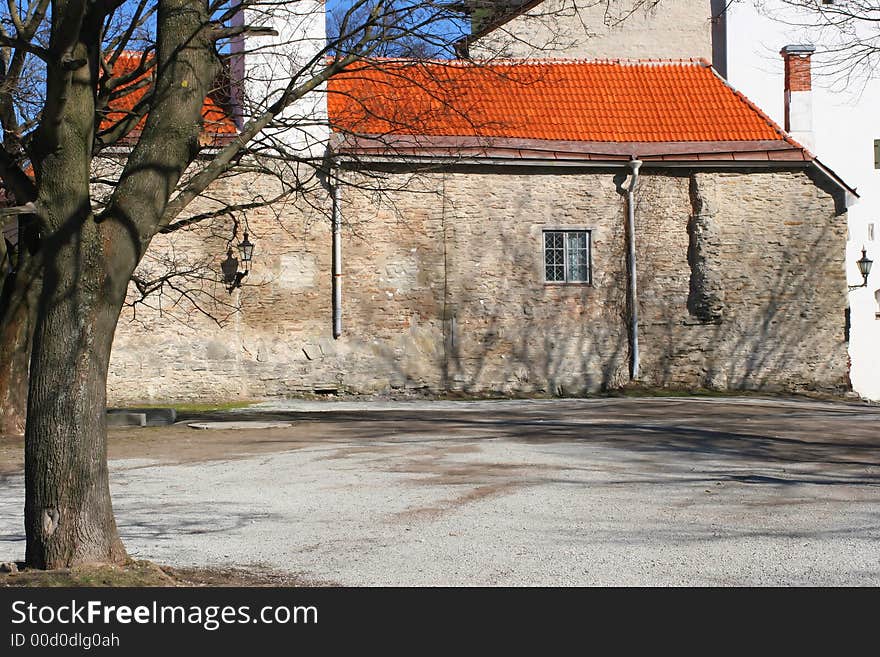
<point>238,425</point>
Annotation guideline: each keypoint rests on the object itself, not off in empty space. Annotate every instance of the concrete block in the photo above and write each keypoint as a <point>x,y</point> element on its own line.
<point>125,419</point>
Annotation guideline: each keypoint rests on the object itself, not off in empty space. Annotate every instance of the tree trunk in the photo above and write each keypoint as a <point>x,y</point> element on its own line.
<point>68,513</point>
<point>86,263</point>
<point>17,309</point>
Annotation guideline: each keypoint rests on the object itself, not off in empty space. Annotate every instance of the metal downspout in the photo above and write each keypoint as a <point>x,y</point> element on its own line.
<point>632,288</point>
<point>337,255</point>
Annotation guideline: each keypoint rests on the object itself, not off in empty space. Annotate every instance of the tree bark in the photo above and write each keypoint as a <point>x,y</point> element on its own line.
<point>68,512</point>
<point>19,290</point>
<point>17,314</point>
<point>86,263</point>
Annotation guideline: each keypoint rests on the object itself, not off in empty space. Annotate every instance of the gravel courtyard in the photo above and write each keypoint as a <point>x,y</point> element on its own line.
<point>659,491</point>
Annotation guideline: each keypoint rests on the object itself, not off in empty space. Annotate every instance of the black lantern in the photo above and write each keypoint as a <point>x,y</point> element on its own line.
<point>864,263</point>
<point>246,249</point>
<point>232,278</point>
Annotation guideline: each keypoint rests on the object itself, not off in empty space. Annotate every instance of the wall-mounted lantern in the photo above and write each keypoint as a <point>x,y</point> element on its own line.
<point>864,264</point>
<point>246,250</point>
<point>232,278</point>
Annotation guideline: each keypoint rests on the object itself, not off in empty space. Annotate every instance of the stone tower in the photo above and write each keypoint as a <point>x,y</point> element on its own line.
<point>261,67</point>
<point>598,30</point>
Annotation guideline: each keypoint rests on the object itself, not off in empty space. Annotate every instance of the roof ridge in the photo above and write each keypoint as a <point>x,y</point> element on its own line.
<point>624,61</point>
<point>511,61</point>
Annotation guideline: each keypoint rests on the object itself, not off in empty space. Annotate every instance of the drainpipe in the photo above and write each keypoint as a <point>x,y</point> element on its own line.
<point>337,255</point>
<point>632,291</point>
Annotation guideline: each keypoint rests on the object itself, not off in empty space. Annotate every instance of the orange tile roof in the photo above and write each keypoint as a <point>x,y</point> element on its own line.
<point>218,123</point>
<point>594,101</point>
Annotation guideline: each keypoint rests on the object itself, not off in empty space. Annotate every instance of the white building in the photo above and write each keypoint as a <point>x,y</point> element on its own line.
<point>845,125</point>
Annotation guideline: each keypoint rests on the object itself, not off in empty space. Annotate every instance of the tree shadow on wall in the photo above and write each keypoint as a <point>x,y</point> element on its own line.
<point>775,330</point>
<point>476,318</point>
<point>495,326</point>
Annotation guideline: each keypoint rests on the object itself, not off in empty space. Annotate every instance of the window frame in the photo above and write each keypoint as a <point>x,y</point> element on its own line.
<point>565,230</point>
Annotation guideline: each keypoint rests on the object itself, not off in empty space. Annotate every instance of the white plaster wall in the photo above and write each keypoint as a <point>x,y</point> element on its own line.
<point>845,126</point>
<point>800,116</point>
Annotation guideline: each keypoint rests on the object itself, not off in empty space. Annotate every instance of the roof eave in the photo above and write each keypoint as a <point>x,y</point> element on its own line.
<point>392,145</point>
<point>851,195</point>
<point>439,151</point>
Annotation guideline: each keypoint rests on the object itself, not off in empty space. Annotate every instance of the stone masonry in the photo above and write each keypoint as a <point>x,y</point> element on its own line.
<point>740,286</point>
<point>676,29</point>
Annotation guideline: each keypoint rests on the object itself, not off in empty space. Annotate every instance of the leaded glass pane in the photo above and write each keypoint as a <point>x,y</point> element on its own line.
<point>578,257</point>
<point>554,256</point>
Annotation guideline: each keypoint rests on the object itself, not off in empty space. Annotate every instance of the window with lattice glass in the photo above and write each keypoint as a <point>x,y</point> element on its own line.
<point>567,256</point>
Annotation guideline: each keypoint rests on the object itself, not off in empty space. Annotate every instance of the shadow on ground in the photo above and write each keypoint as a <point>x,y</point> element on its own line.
<point>842,436</point>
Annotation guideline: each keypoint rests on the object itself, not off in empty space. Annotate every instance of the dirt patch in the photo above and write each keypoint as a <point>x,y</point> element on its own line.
<point>135,573</point>
<point>178,444</point>
<point>239,577</point>
<point>148,574</point>
<point>445,472</point>
<point>446,506</point>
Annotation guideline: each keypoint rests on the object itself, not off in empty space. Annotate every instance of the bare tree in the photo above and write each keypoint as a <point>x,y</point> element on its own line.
<point>79,243</point>
<point>107,144</point>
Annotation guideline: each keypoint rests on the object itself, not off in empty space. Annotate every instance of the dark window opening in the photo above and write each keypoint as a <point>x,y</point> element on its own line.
<point>567,256</point>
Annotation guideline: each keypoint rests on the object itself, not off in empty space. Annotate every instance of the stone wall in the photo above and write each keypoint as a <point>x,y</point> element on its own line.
<point>443,290</point>
<point>560,28</point>
<point>772,271</point>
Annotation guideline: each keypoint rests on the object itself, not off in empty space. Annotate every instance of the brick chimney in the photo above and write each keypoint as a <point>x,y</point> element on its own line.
<point>799,93</point>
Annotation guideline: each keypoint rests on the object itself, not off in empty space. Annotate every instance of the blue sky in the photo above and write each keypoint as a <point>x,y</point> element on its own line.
<point>439,32</point>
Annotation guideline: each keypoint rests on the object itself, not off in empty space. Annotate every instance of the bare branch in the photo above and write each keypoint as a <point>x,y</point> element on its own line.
<point>242,30</point>
<point>226,210</point>
<point>845,34</point>
<point>27,208</point>
<point>25,46</point>
<point>224,159</point>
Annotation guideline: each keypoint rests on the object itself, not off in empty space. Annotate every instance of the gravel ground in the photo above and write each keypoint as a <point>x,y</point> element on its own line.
<point>589,492</point>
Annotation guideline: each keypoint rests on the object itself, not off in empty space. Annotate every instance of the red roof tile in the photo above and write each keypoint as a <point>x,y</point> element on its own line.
<point>218,124</point>
<point>596,101</point>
